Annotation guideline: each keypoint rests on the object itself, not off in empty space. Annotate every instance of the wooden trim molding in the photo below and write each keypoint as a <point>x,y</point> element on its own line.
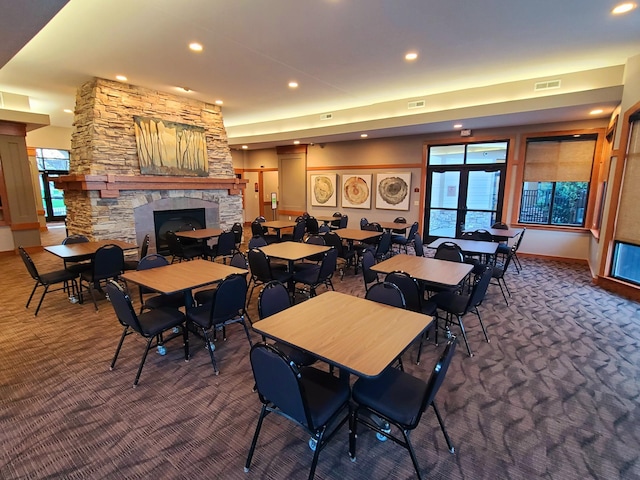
<point>110,186</point>
<point>25,226</point>
<point>365,167</point>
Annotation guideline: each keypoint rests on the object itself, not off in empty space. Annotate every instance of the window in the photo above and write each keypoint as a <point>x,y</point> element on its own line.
<point>557,173</point>
<point>626,262</point>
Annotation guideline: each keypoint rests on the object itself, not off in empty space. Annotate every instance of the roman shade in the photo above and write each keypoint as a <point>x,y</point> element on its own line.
<point>628,223</point>
<point>559,161</point>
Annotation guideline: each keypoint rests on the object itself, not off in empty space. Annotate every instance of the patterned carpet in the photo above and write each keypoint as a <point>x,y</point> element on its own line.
<point>554,395</point>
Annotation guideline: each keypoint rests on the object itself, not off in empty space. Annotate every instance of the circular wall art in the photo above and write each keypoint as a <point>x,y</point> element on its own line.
<point>392,191</point>
<point>356,190</point>
<point>322,189</point>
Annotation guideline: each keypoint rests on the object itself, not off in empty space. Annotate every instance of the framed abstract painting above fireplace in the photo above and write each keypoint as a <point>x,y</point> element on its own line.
<point>170,148</point>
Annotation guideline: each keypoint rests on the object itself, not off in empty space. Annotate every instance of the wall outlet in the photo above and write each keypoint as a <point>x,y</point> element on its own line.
<point>416,203</point>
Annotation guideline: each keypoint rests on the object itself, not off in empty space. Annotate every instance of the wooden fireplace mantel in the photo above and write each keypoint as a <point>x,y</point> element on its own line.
<point>110,186</point>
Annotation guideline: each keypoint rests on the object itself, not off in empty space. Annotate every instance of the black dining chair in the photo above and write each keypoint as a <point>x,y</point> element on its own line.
<point>156,300</point>
<point>311,398</point>
<point>180,251</point>
<point>400,399</point>
<point>150,325</point>
<point>108,264</point>
<point>81,263</point>
<point>66,278</point>
<point>346,257</point>
<point>206,296</point>
<point>224,249</point>
<point>261,271</point>
<point>317,275</point>
<point>227,307</point>
<point>368,275</point>
<point>144,249</point>
<point>403,241</point>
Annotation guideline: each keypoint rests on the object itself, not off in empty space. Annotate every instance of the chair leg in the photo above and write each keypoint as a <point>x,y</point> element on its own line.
<point>115,356</point>
<point>464,335</point>
<point>444,430</point>
<point>353,434</point>
<point>263,413</point>
<point>46,288</point>
<point>503,294</point>
<point>504,282</point>
<point>209,344</point>
<point>144,357</point>
<point>409,447</point>
<point>484,330</point>
<point>316,454</point>
<point>246,331</point>
<point>185,341</point>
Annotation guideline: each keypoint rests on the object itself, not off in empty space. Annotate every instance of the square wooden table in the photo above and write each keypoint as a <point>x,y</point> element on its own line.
<point>477,247</point>
<point>429,270</point>
<point>278,225</point>
<point>502,234</point>
<point>293,251</point>
<point>181,277</point>
<point>351,234</point>
<point>394,226</point>
<point>356,335</point>
<point>86,249</point>
<point>200,233</point>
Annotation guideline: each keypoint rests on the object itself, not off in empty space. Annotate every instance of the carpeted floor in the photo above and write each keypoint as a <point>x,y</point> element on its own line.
<point>555,394</point>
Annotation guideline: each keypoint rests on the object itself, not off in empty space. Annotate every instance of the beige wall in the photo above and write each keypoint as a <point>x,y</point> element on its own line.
<point>50,137</point>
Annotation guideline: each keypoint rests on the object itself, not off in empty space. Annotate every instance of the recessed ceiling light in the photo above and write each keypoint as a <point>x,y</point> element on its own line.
<point>195,47</point>
<point>296,142</point>
<point>122,78</point>
<point>184,89</point>
<point>457,125</point>
<point>293,84</point>
<point>67,110</point>
<point>623,8</point>
<point>218,102</point>
<point>411,56</point>
<point>597,111</point>
<point>364,135</point>
<point>245,147</point>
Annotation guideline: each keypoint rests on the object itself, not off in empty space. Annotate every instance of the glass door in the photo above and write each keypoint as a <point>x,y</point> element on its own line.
<point>52,199</point>
<point>465,187</point>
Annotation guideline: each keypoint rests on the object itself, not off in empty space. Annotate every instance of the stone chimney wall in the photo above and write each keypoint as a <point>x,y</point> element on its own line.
<point>103,143</point>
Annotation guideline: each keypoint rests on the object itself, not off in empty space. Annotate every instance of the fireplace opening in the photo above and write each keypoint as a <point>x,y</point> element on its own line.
<point>176,221</point>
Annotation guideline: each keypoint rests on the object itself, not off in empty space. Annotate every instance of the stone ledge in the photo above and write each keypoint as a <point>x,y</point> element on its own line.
<point>110,186</point>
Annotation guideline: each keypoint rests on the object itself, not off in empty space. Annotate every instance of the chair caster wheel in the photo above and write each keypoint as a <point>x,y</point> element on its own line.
<point>246,469</point>
<point>313,443</point>
<point>162,350</point>
<point>353,459</point>
<point>452,450</point>
<point>175,329</point>
<point>382,437</point>
<point>212,346</point>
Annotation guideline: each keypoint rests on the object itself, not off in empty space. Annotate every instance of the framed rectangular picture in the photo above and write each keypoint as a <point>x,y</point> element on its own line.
<point>393,191</point>
<point>356,191</point>
<point>324,190</point>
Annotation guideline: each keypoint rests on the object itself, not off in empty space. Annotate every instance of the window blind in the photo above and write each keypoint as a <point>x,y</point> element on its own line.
<point>628,222</point>
<point>559,161</point>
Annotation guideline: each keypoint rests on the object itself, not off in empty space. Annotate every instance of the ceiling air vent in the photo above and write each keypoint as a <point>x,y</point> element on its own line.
<point>416,104</point>
<point>548,85</point>
<point>326,116</point>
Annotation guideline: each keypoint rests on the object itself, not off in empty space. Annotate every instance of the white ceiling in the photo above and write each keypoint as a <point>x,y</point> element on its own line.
<point>347,56</point>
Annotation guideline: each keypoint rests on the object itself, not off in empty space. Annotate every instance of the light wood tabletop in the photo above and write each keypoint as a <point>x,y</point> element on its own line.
<point>469,246</point>
<point>356,234</point>
<point>86,249</point>
<point>183,276</point>
<point>360,336</point>
<point>293,251</point>
<point>502,233</point>
<point>394,225</point>
<point>278,224</point>
<point>200,233</point>
<point>426,269</point>
<point>327,218</point>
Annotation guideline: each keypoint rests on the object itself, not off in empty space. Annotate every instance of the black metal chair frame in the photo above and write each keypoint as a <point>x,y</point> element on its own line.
<point>387,381</point>
<point>108,264</point>
<point>67,278</point>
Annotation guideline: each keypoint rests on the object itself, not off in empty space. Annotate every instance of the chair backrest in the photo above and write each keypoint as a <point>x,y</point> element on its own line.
<point>482,235</point>
<point>418,246</point>
<point>412,231</point>
<point>312,225</point>
<point>373,227</point>
<point>230,299</point>
<point>75,239</point>
<point>237,232</point>
<point>333,240</point>
<point>387,293</point>
<point>520,237</point>
<point>277,382</point>
<point>384,244</point>
<point>144,248</point>
<point>500,226</point>
<point>173,242</point>
<point>274,297</point>
<point>409,288</point>
<point>28,262</point>
<point>259,265</point>
<point>239,261</point>
<point>467,236</point>
<point>315,240</point>
<point>480,286</point>
<point>257,241</point>
<point>122,306</point>
<point>226,244</point>
<point>368,275</point>
<point>256,229</point>
<point>108,262</point>
<point>438,374</point>
<point>152,260</point>
<point>328,265</point>
<point>299,229</point>
<point>324,228</point>
<point>449,251</point>
<point>363,222</point>
<point>344,221</point>
<point>336,223</point>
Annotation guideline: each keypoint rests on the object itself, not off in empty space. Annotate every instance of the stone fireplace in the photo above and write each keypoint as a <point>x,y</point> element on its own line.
<point>105,194</point>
